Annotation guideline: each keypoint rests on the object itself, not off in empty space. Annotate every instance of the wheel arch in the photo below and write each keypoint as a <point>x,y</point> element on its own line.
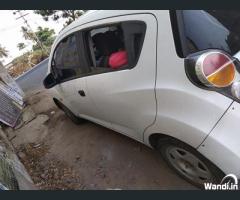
<point>156,138</point>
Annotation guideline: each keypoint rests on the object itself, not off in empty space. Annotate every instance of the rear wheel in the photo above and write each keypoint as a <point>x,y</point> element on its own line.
<point>189,163</point>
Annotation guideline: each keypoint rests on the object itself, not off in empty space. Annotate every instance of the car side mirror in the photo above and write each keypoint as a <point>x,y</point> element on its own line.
<point>49,81</point>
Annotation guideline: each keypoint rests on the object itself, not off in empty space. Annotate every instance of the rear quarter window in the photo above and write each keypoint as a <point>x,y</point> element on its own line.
<point>209,29</point>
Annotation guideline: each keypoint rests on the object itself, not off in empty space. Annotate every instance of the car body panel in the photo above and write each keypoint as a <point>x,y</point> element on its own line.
<point>222,145</point>
<point>185,111</point>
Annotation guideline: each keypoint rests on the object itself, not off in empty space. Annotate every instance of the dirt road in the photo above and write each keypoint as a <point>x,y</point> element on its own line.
<point>61,155</point>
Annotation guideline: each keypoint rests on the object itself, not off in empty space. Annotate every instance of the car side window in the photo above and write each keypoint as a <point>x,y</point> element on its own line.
<point>66,61</point>
<point>115,47</point>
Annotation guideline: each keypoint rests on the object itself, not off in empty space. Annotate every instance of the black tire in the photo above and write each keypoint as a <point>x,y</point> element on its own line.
<point>75,119</point>
<point>166,147</point>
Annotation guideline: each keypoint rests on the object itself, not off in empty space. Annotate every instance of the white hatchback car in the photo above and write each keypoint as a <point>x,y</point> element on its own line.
<point>169,79</point>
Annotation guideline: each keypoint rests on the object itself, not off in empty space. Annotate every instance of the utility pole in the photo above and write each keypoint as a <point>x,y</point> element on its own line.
<point>22,16</point>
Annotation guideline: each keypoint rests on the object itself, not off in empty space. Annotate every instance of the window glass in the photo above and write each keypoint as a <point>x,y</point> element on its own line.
<point>66,60</point>
<point>70,54</point>
<point>115,47</point>
<point>205,29</point>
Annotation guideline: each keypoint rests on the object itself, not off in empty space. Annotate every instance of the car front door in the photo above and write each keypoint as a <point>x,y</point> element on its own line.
<point>125,97</point>
<point>68,66</point>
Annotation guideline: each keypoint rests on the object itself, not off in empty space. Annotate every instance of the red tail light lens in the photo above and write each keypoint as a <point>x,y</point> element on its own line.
<point>215,69</point>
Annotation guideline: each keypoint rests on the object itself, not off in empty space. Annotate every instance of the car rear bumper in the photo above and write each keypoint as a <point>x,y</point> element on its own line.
<point>222,146</point>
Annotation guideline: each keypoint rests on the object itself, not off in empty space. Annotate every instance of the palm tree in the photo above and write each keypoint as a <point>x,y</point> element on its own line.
<point>3,52</point>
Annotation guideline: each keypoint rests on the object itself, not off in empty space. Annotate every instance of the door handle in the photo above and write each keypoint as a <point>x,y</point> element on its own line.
<point>82,93</point>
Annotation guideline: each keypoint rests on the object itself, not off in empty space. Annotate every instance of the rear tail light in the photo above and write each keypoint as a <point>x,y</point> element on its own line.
<point>214,70</point>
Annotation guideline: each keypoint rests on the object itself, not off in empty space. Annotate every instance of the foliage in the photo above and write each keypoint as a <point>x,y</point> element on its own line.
<point>21,46</point>
<point>42,38</point>
<point>3,52</point>
<point>26,61</point>
<point>19,65</point>
<point>69,15</point>
<point>37,56</point>
<point>46,37</point>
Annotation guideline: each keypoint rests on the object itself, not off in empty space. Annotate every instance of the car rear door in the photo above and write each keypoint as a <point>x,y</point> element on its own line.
<point>126,97</point>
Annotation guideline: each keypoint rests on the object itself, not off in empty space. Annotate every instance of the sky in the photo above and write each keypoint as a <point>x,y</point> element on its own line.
<point>10,30</point>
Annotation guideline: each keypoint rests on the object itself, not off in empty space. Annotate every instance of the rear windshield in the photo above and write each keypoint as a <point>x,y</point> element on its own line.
<point>209,29</point>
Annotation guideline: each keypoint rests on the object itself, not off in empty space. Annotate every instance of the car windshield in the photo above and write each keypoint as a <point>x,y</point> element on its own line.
<point>211,29</point>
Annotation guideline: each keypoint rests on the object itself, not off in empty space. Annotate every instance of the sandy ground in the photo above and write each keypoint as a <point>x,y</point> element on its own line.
<point>61,155</point>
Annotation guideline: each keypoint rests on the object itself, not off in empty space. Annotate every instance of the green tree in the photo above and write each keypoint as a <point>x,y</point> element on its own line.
<point>69,15</point>
<point>42,38</point>
<point>46,37</point>
<point>21,46</point>
<point>26,61</point>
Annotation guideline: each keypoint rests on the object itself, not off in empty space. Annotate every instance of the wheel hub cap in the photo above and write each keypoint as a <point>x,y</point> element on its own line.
<point>188,165</point>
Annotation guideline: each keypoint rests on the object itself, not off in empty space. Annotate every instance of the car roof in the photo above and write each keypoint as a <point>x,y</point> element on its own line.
<point>94,15</point>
